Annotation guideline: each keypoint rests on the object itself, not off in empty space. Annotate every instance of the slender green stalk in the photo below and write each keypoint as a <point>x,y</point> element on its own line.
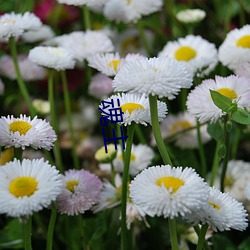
<point>226,158</point>
<point>52,222</point>
<point>112,173</point>
<point>82,226</point>
<point>127,155</point>
<point>18,153</point>
<point>173,235</point>
<point>203,169</point>
<point>143,37</point>
<point>86,17</point>
<point>27,229</point>
<point>156,130</point>
<point>205,244</point>
<point>140,135</point>
<point>21,84</point>
<point>236,140</point>
<point>242,14</point>
<point>202,235</point>
<point>67,105</point>
<point>54,120</point>
<point>215,164</point>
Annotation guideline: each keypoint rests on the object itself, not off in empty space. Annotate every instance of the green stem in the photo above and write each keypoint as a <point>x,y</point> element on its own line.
<point>242,14</point>
<point>140,135</point>
<point>173,235</point>
<point>21,84</point>
<point>203,170</point>
<point>127,155</point>
<point>202,235</point>
<point>50,233</point>
<point>82,227</point>
<point>86,17</point>
<point>205,244</point>
<point>236,140</point>
<point>156,130</point>
<point>66,96</point>
<point>226,158</point>
<point>27,229</point>
<point>112,173</point>
<point>143,37</point>
<point>18,153</point>
<point>215,164</point>
<point>54,120</point>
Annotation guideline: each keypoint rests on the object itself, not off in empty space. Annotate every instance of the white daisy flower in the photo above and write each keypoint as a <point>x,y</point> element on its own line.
<point>110,63</point>
<point>51,57</point>
<point>141,157</point>
<point>26,132</point>
<point>221,212</point>
<point>110,195</point>
<point>14,25</point>
<point>200,103</point>
<point>28,186</point>
<point>236,179</point>
<point>85,44</point>
<point>42,34</point>
<point>29,70</point>
<point>247,191</point>
<point>135,108</point>
<point>197,53</point>
<point>89,3</point>
<point>169,192</point>
<point>191,15</point>
<point>235,49</point>
<point>243,69</point>
<point>130,11</point>
<point>156,76</point>
<point>177,124</point>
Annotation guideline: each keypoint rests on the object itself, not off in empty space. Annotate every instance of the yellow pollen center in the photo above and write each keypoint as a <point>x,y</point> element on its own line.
<point>185,53</point>
<point>227,92</point>
<point>23,186</point>
<point>20,126</point>
<point>129,1</point>
<point>70,185</point>
<point>244,42</point>
<point>170,182</point>
<point>180,125</point>
<point>130,107</point>
<point>6,156</point>
<point>114,64</point>
<point>214,205</point>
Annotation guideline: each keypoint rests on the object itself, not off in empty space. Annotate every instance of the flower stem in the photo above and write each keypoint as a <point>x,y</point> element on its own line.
<point>215,164</point>
<point>143,37</point>
<point>26,228</point>
<point>127,154</point>
<point>50,233</point>
<point>202,235</point>
<point>53,119</point>
<point>156,130</point>
<point>66,96</point>
<point>20,81</point>
<point>226,158</point>
<point>203,170</point>
<point>18,153</point>
<point>173,235</point>
<point>86,17</point>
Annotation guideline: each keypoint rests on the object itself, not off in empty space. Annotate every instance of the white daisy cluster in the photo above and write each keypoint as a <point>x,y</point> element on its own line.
<point>171,192</point>
<point>197,53</point>
<point>200,103</point>
<point>89,3</point>
<point>191,15</point>
<point>14,25</point>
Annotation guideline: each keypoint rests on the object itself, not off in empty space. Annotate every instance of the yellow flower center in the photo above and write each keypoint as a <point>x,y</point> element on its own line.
<point>227,92</point>
<point>185,53</point>
<point>229,181</point>
<point>170,182</point>
<point>132,157</point>
<point>114,64</point>
<point>70,185</point>
<point>13,21</point>
<point>57,52</point>
<point>180,125</point>
<point>20,126</point>
<point>214,205</point>
<point>23,186</point>
<point>6,156</point>
<point>130,107</point>
<point>244,42</point>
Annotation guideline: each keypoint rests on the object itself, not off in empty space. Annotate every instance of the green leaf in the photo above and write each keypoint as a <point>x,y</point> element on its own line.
<point>215,130</point>
<point>241,116</point>
<point>222,102</point>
